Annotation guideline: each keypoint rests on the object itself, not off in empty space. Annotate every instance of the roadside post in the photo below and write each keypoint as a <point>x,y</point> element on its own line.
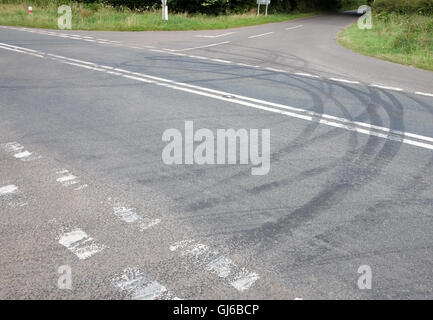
<point>164,10</point>
<point>30,10</point>
<point>263,2</point>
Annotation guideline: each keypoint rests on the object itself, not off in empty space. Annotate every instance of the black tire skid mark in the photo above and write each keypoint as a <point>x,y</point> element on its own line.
<point>350,179</point>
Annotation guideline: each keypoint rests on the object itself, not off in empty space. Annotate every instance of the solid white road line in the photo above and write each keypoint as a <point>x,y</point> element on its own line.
<point>215,36</point>
<point>294,112</point>
<point>79,243</point>
<point>291,28</point>
<point>220,60</point>
<point>8,190</point>
<point>306,75</point>
<point>211,260</point>
<point>276,70</point>
<point>16,50</point>
<point>344,81</point>
<point>261,35</point>
<point>245,65</point>
<point>424,94</point>
<point>385,87</point>
<point>200,47</point>
<point>171,51</point>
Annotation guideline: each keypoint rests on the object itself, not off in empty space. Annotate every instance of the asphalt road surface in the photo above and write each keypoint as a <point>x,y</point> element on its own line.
<point>84,190</point>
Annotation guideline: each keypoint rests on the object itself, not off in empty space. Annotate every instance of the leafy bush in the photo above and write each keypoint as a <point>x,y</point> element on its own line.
<point>226,6</point>
<point>424,7</point>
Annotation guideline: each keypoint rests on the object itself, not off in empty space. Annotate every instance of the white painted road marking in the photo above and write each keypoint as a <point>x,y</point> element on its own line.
<point>275,70</point>
<point>22,155</point>
<point>9,189</point>
<point>12,147</point>
<point>200,47</point>
<point>216,36</point>
<point>385,87</point>
<point>130,215</point>
<point>68,179</point>
<point>138,285</point>
<point>19,151</point>
<point>18,200</point>
<point>211,260</point>
<point>344,81</point>
<point>291,28</point>
<point>79,243</point>
<point>306,75</point>
<point>424,94</point>
<point>286,110</point>
<point>261,35</point>
<point>169,51</point>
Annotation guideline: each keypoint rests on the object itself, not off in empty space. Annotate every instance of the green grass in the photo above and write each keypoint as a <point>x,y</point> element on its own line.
<point>405,39</point>
<point>102,17</point>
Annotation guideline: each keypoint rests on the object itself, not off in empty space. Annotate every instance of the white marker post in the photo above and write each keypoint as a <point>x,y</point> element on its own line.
<point>164,10</point>
<point>30,10</point>
<point>263,2</point>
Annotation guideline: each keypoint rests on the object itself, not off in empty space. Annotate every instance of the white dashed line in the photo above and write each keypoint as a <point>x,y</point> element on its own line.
<point>385,87</point>
<point>200,47</point>
<point>212,261</point>
<point>244,65</point>
<point>198,57</point>
<point>285,110</point>
<point>67,179</point>
<point>22,155</point>
<point>306,75</point>
<point>221,61</point>
<point>80,244</point>
<point>138,286</point>
<point>172,51</point>
<point>12,147</point>
<point>19,151</point>
<point>261,35</point>
<point>276,70</point>
<point>216,36</point>
<point>10,189</point>
<point>344,81</point>
<point>130,215</point>
<point>291,28</point>
<point>12,193</point>
<point>424,94</point>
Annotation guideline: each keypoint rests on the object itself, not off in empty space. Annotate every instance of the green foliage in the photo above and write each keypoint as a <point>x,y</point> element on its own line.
<point>217,7</point>
<point>402,38</point>
<point>424,7</point>
<point>99,16</point>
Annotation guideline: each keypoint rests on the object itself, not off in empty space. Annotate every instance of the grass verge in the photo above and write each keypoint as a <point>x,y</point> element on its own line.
<point>405,39</point>
<point>103,17</point>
